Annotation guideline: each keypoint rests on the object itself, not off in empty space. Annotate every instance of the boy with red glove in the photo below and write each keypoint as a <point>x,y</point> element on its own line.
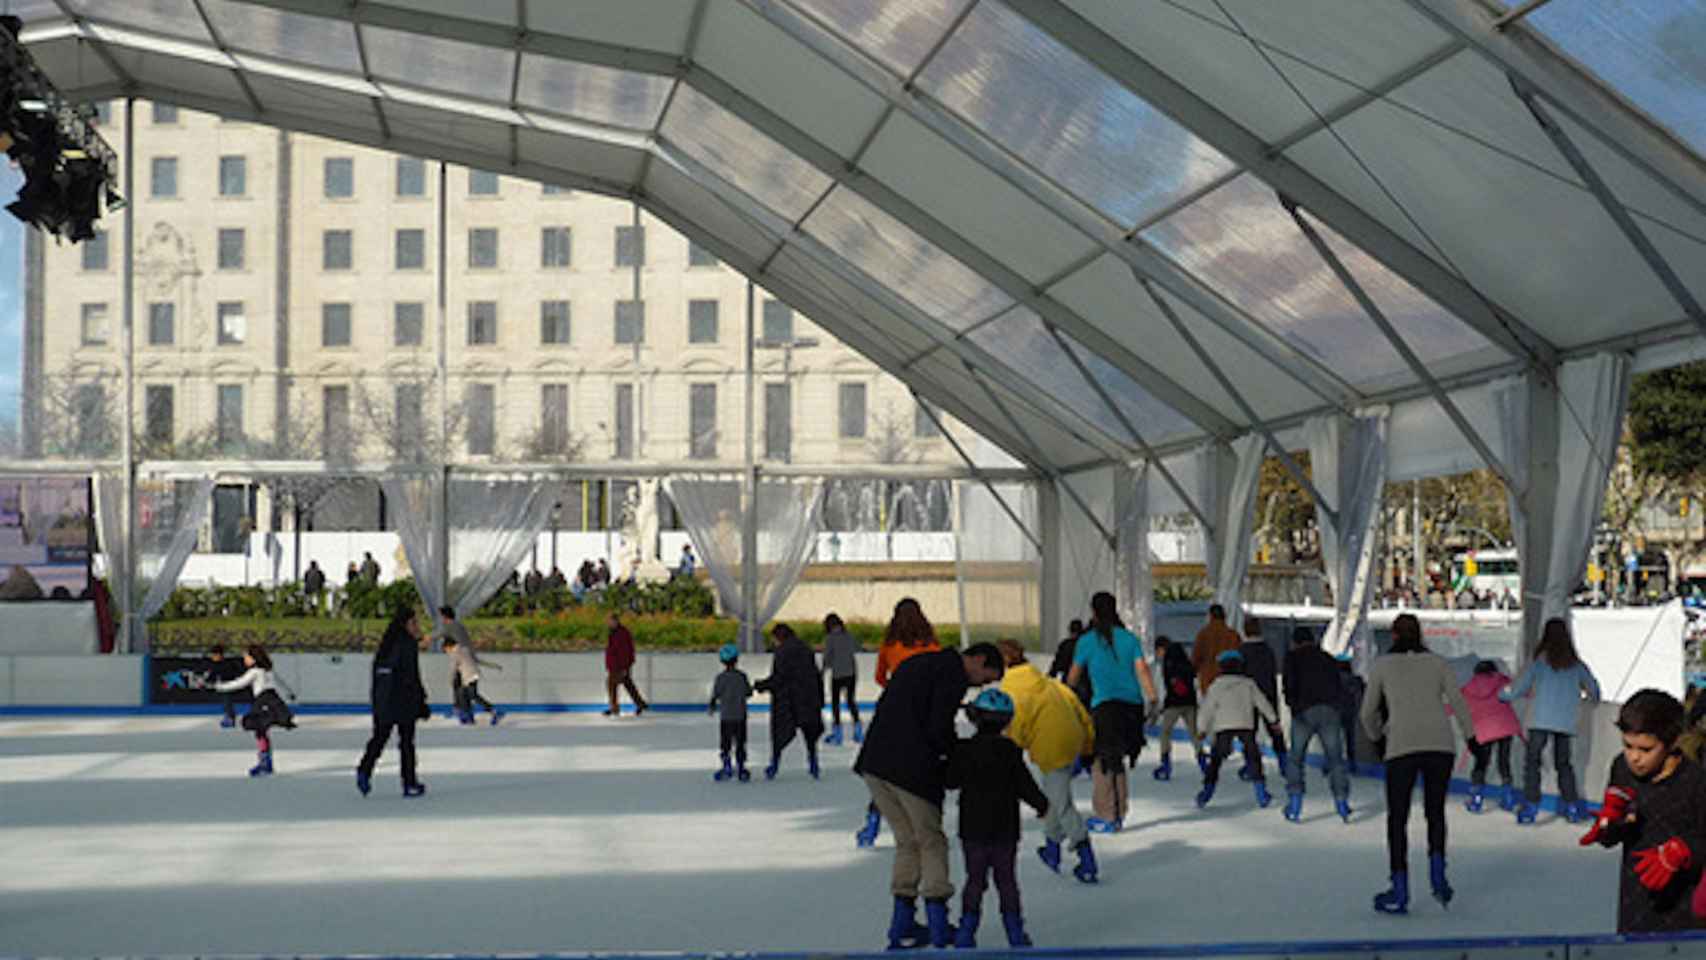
<point>1655,808</point>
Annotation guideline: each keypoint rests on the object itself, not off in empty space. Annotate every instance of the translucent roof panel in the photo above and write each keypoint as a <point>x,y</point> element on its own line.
<point>618,97</point>
<point>900,33</point>
<point>729,147</point>
<point>1066,118</point>
<point>316,40</point>
<point>1650,50</point>
<point>892,254</point>
<point>1045,436</point>
<point>1242,243</point>
<point>177,18</point>
<point>1019,338</point>
<point>484,73</point>
<point>30,11</point>
<point>644,24</point>
<point>488,11</point>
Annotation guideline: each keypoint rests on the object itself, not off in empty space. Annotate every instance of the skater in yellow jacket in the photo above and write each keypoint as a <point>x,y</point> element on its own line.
<point>1052,726</point>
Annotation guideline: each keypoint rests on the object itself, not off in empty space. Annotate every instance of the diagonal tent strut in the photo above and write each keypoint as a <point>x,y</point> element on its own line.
<point>977,471</point>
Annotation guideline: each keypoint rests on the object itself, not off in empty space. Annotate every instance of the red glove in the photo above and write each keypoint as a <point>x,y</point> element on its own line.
<point>1657,866</point>
<point>1612,810</point>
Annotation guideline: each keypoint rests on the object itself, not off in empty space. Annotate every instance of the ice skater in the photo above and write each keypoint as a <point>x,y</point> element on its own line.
<point>1229,713</point>
<point>466,664</point>
<point>1262,668</point>
<point>1053,726</point>
<point>1179,703</point>
<point>619,667</point>
<point>1557,679</point>
<point>222,669</point>
<point>269,709</point>
<point>839,648</point>
<point>729,694</point>
<point>1313,692</point>
<point>399,700</point>
<point>1496,725</point>
<point>909,633</point>
<point>1655,809</point>
<point>992,779</point>
<point>796,698</point>
<point>1112,657</point>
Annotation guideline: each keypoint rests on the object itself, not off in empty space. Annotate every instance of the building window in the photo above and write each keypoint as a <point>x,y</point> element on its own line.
<point>411,249</point>
<point>407,321</point>
<point>233,325</point>
<point>334,324</point>
<point>94,324</point>
<point>228,425</point>
<point>778,422</point>
<point>162,321</point>
<point>924,424</point>
<point>165,113</point>
<point>624,418</point>
<point>630,246</point>
<point>340,178</point>
<point>483,247</point>
<point>554,247</point>
<point>701,321</point>
<point>231,253</point>
<point>411,177</point>
<point>554,418</point>
<point>163,177</point>
<point>554,322</point>
<point>482,183</point>
<point>698,256</point>
<point>702,421</point>
<point>408,424</point>
<point>336,250</point>
<point>92,434</point>
<point>482,419</point>
<point>233,176</point>
<point>482,323</point>
<point>157,415</point>
<point>95,251</point>
<point>334,422</point>
<point>630,321</point>
<point>555,190</point>
<point>778,322</point>
<point>852,411</point>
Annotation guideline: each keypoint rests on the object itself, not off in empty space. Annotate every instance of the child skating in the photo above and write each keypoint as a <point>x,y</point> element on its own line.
<point>1179,703</point>
<point>992,778</point>
<point>1496,725</point>
<point>1229,713</point>
<point>466,664</point>
<point>1557,679</point>
<point>729,694</point>
<point>1655,808</point>
<point>269,709</point>
<point>222,668</point>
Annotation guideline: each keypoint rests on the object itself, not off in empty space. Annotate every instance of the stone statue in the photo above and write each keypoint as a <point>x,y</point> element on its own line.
<point>640,533</point>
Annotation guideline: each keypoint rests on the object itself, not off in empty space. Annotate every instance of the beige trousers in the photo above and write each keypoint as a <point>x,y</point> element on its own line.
<point>920,846</point>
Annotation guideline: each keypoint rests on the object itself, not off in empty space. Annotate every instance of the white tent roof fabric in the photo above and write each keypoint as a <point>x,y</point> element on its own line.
<point>1045,214</point>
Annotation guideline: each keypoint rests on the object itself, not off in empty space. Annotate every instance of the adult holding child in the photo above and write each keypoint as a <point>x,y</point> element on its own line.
<point>909,633</point>
<point>1113,658</point>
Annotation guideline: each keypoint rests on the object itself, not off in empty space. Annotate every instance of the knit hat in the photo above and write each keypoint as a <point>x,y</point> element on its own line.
<point>728,653</point>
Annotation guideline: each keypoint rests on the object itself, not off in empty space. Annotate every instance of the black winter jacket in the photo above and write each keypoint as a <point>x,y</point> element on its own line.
<point>1260,666</point>
<point>990,773</point>
<point>398,696</point>
<point>1181,680</point>
<point>1312,679</point>
<point>909,739</point>
<point>795,687</point>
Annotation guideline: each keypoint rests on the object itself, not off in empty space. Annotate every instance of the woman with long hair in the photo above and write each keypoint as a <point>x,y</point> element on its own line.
<point>1415,687</point>
<point>1557,679</point>
<point>909,633</point>
<point>796,698</point>
<point>1113,658</point>
<point>399,700</point>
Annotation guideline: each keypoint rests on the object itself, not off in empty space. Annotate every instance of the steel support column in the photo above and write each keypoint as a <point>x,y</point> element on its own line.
<point>1051,619</point>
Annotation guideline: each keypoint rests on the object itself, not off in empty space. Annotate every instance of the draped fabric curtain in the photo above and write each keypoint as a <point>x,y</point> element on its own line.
<point>1348,463</point>
<point>109,528</point>
<point>169,515</point>
<point>1134,583</point>
<point>789,514</point>
<point>1234,504</point>
<point>415,504</point>
<point>493,525</point>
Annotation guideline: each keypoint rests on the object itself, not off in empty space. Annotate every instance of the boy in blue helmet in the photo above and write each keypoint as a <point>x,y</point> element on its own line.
<point>990,773</point>
<point>1229,712</point>
<point>730,692</point>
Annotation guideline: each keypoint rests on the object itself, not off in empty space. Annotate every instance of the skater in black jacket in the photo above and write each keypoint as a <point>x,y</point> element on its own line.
<point>796,698</point>
<point>399,700</point>
<point>990,773</point>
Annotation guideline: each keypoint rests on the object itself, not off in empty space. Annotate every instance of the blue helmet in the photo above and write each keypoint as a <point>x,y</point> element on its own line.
<point>993,701</point>
<point>728,653</point>
<point>1230,656</point>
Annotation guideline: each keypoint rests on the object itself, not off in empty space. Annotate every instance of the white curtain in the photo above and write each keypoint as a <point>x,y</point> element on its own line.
<point>493,524</point>
<point>1134,584</point>
<point>413,501</point>
<point>789,515</point>
<point>1234,517</point>
<point>109,527</point>
<point>169,514</point>
<point>1348,463</point>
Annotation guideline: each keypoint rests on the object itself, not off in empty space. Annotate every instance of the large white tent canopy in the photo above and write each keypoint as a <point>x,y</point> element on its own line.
<point>1138,244</point>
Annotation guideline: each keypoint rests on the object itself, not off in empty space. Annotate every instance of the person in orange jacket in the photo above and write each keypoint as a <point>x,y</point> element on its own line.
<point>909,633</point>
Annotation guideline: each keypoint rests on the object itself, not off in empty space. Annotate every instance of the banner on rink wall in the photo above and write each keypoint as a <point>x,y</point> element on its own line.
<point>191,680</point>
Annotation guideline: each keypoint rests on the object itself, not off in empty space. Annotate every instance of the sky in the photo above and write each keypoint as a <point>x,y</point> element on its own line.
<point>11,296</point>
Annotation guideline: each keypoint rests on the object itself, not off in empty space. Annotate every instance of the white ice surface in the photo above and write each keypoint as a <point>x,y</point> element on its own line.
<point>570,833</point>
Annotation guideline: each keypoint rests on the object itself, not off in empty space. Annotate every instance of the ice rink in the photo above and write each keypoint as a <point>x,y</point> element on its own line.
<point>142,835</point>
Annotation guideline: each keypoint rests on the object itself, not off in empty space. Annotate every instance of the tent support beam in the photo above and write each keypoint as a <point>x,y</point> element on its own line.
<point>1392,336</point>
<point>1285,458</point>
<point>1131,428</point>
<point>976,471</point>
<point>1602,191</point>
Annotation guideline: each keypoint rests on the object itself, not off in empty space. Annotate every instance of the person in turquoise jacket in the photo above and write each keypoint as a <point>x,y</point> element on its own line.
<point>1556,679</point>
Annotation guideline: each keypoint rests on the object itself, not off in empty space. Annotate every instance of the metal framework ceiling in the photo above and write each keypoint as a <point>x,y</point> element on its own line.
<point>1092,230</point>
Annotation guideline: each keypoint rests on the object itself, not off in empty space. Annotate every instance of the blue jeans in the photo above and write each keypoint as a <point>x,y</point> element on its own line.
<point>1321,720</point>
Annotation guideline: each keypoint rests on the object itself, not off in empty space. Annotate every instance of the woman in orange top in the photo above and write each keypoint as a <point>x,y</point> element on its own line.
<point>909,632</point>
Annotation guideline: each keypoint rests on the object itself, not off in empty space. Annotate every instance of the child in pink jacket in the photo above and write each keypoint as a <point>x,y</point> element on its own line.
<point>1495,724</point>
